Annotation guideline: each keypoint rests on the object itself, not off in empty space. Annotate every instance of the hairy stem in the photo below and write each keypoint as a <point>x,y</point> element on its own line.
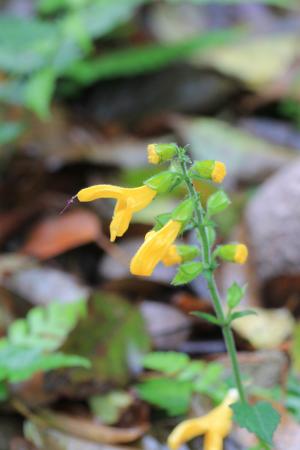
<point>206,251</point>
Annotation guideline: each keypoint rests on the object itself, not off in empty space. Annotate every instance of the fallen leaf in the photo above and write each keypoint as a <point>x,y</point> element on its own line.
<point>273,55</point>
<point>266,330</point>
<point>58,234</point>
<point>42,285</point>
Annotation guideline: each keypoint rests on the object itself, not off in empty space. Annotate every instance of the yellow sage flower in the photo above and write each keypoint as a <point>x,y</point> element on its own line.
<point>129,201</point>
<point>155,248</point>
<point>215,426</point>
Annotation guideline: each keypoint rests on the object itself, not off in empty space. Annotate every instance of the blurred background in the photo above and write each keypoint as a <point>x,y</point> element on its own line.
<point>85,86</point>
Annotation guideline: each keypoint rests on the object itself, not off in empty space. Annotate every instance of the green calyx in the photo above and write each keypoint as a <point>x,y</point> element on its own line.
<point>204,168</point>
<point>163,182</point>
<point>184,211</point>
<point>165,152</point>
<point>188,252</point>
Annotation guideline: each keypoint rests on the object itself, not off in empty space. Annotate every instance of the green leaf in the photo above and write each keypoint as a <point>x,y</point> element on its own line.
<point>166,362</point>
<point>217,203</point>
<point>46,328</point>
<point>108,408</point>
<point>261,419</point>
<point>234,295</point>
<point>39,90</point>
<point>192,370</point>
<point>26,45</point>
<point>172,395</point>
<point>19,363</point>
<point>187,272</point>
<point>9,131</point>
<point>145,58</point>
<point>239,314</point>
<point>4,393</point>
<point>206,316</point>
<point>113,337</point>
<point>210,377</point>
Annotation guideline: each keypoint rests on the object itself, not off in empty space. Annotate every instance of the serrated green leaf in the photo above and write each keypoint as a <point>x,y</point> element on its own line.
<point>234,295</point>
<point>261,419</point>
<point>172,395</point>
<point>206,316</point>
<point>166,362</point>
<point>46,328</point>
<point>187,272</point>
<point>217,203</point>
<point>239,314</point>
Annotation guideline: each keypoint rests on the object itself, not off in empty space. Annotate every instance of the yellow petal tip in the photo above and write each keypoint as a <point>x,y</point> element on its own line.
<point>219,172</point>
<point>153,157</point>
<point>241,254</point>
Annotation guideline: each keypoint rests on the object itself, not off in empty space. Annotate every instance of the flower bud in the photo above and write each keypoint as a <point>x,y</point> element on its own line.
<point>178,254</point>
<point>158,153</point>
<point>210,170</point>
<point>163,182</point>
<point>184,211</point>
<point>236,253</point>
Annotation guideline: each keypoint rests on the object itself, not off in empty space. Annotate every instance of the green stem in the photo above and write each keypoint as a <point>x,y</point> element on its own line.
<point>206,251</point>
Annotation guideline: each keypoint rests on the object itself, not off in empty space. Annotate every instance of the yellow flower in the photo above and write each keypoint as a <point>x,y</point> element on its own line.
<point>154,249</point>
<point>215,425</point>
<point>219,172</point>
<point>129,201</point>
<point>241,254</point>
<point>153,157</point>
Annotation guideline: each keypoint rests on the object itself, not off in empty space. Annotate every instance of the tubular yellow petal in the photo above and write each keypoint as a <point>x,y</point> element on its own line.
<point>219,172</point>
<point>154,249</point>
<point>99,191</point>
<point>216,425</point>
<point>213,441</point>
<point>172,257</point>
<point>186,431</point>
<point>241,254</point>
<point>138,198</point>
<point>120,221</point>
